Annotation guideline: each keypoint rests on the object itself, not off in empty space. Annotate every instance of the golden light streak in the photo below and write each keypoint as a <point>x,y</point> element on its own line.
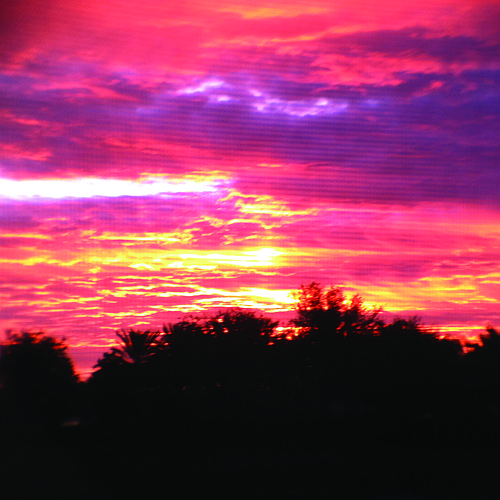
<point>249,258</point>
<point>252,12</point>
<point>253,298</point>
<point>267,205</point>
<point>182,237</point>
<point>463,333</point>
<point>279,296</point>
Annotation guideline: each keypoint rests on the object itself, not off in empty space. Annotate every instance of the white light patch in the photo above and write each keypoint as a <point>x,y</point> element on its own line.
<point>202,87</point>
<point>320,107</point>
<point>94,187</point>
<point>220,98</point>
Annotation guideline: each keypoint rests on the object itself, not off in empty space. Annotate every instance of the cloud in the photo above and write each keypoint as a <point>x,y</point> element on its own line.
<point>161,158</point>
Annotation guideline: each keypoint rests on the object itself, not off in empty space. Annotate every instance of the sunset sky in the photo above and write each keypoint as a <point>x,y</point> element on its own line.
<point>162,158</point>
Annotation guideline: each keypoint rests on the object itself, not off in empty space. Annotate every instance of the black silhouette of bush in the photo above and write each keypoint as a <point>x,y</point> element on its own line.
<point>231,370</point>
<point>480,378</point>
<point>339,382</point>
<point>325,313</point>
<point>38,381</point>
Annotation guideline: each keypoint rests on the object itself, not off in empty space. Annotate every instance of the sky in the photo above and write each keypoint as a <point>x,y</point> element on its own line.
<point>162,158</point>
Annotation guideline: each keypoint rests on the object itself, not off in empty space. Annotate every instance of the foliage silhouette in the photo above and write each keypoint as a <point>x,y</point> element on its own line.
<point>31,360</point>
<point>229,371</point>
<point>490,341</point>
<point>135,348</point>
<point>122,386</point>
<point>345,362</point>
<point>345,384</point>
<point>322,313</point>
<point>241,327</point>
<point>198,367</point>
<point>38,381</point>
<point>480,378</point>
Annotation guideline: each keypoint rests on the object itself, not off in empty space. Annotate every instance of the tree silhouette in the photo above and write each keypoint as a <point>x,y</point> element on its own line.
<point>358,319</point>
<point>125,375</point>
<point>136,346</point>
<point>350,359</point>
<point>217,350</point>
<point>481,379</point>
<point>32,361</point>
<point>317,310</point>
<point>189,362</point>
<point>200,366</point>
<point>322,313</point>
<point>37,379</point>
<point>129,363</point>
<point>418,372</point>
<point>230,365</point>
<point>240,327</point>
<point>490,341</point>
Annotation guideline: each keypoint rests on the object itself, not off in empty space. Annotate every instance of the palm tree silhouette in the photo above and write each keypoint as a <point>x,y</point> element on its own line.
<point>136,346</point>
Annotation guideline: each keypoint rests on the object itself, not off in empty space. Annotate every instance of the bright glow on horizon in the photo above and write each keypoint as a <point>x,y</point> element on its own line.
<point>95,187</point>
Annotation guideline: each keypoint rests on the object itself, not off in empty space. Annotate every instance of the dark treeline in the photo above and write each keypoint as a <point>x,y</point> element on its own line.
<point>337,374</point>
<point>337,360</point>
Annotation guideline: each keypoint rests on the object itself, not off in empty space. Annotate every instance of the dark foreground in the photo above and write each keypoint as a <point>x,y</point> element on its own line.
<point>351,408</point>
<point>367,460</point>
